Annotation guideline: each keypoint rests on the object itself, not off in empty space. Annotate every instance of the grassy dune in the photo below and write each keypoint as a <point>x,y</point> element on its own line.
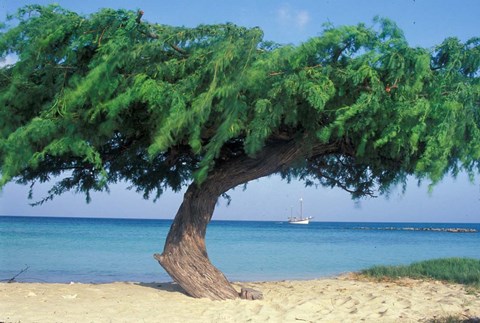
<point>454,270</point>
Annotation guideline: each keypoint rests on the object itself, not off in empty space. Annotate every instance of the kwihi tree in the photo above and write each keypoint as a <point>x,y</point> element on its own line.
<point>94,100</point>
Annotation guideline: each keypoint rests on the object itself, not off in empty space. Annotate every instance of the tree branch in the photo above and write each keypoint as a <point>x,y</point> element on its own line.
<point>339,52</point>
<point>274,158</point>
<point>344,187</point>
<point>11,280</point>
<point>155,36</point>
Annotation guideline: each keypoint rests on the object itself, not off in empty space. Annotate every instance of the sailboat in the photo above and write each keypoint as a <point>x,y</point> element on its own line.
<point>301,219</point>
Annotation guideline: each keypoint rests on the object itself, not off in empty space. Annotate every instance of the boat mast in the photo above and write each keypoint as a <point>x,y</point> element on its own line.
<point>301,208</point>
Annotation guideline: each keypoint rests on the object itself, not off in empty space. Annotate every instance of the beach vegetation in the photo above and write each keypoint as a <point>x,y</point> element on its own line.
<point>454,319</point>
<point>464,271</point>
<point>93,100</point>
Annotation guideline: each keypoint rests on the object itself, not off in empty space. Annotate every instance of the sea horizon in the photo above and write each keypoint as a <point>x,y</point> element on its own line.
<point>229,220</point>
<point>99,250</point>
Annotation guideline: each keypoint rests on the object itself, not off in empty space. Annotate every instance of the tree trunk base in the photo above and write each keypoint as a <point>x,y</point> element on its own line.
<point>197,276</point>
<point>250,294</point>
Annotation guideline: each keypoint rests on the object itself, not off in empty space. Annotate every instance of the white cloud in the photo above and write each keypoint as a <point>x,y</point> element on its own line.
<point>284,14</point>
<point>288,16</point>
<point>302,18</point>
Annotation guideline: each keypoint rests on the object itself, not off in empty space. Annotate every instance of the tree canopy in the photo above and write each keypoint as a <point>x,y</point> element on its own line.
<point>108,97</point>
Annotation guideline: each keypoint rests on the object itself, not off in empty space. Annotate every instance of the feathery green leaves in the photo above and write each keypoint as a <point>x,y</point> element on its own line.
<point>108,97</point>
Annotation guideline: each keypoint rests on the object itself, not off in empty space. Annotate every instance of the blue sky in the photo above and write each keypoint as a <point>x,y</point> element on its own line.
<point>425,23</point>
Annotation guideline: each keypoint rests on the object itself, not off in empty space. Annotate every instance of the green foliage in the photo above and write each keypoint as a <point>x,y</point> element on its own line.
<point>107,97</point>
<point>456,270</point>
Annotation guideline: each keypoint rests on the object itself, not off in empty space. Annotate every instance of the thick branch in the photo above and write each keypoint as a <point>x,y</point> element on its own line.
<point>272,159</point>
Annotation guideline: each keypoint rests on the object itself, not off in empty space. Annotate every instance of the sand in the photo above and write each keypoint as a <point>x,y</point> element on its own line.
<point>342,299</point>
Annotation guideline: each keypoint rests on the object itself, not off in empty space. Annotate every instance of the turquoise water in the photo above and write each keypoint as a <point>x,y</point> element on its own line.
<point>106,250</point>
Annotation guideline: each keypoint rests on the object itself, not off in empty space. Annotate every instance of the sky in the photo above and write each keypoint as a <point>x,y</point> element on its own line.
<point>424,22</point>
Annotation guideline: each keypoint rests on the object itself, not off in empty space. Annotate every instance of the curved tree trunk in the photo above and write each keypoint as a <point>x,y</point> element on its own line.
<point>185,256</point>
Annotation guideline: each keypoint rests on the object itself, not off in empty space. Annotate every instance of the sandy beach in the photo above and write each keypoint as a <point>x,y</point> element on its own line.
<point>342,299</point>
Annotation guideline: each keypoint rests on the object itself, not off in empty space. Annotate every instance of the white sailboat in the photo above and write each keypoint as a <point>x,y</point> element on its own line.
<point>301,219</point>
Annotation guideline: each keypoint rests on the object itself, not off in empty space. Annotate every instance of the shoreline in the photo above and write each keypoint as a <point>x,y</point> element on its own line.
<point>343,298</point>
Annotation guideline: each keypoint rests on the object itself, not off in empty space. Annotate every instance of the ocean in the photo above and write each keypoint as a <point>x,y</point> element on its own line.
<point>106,250</point>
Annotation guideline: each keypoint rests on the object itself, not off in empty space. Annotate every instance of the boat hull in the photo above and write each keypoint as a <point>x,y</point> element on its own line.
<point>306,221</point>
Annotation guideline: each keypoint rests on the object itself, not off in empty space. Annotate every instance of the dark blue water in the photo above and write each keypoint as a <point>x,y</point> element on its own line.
<point>106,250</point>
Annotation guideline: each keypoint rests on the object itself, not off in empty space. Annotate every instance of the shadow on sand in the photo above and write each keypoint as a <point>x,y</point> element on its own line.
<point>167,287</point>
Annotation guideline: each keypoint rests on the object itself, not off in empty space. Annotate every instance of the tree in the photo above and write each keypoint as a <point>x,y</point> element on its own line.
<point>108,97</point>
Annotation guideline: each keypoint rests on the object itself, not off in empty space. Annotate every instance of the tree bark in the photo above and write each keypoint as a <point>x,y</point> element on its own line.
<point>185,256</point>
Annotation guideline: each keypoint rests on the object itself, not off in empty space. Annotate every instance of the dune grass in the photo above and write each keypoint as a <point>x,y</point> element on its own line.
<point>455,319</point>
<point>464,271</point>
